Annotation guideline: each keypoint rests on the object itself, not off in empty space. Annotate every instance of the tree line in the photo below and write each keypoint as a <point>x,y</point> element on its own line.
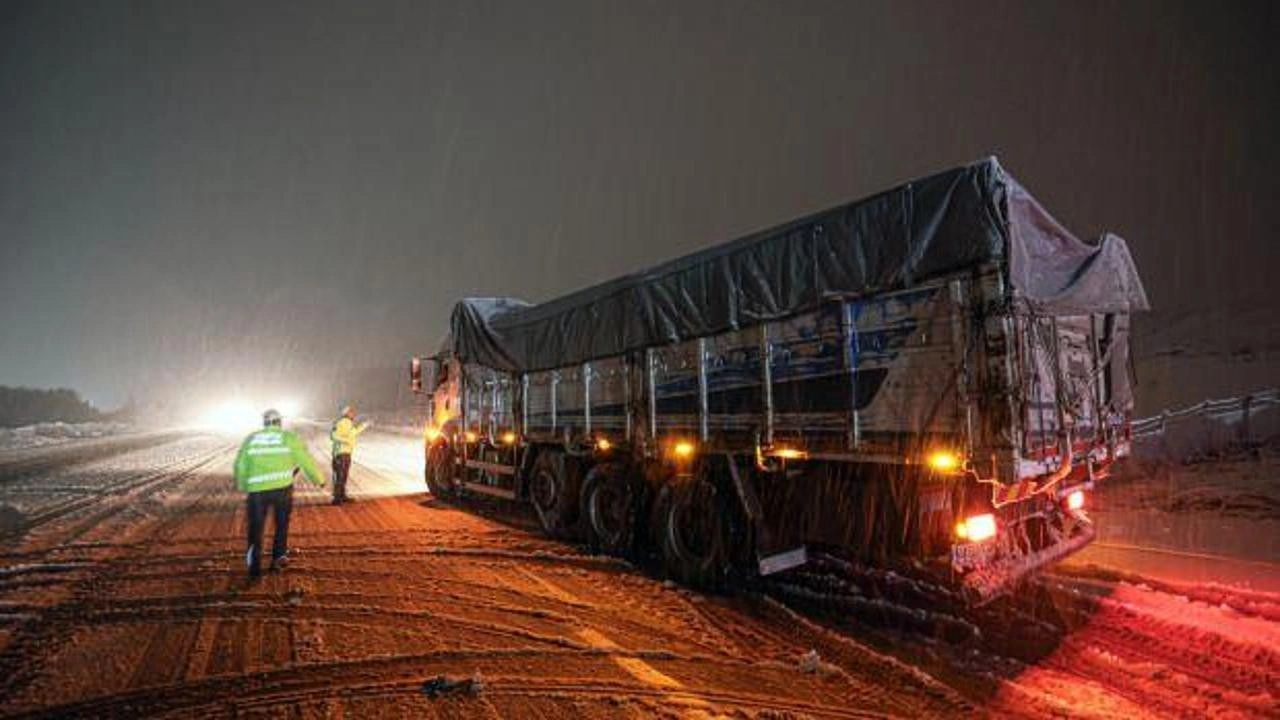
<point>27,406</point>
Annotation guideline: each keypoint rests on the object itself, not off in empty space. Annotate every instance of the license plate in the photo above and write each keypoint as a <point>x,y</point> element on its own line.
<point>971,555</point>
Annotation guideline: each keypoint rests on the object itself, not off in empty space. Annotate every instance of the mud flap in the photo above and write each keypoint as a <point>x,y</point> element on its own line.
<point>772,562</point>
<point>786,560</point>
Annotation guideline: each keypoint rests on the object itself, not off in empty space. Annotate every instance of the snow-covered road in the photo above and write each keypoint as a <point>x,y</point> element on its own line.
<point>121,594</point>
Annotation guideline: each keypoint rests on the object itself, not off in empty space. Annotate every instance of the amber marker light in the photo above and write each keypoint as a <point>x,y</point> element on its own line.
<point>943,461</point>
<point>603,444</point>
<point>508,438</point>
<point>789,453</point>
<point>683,449</point>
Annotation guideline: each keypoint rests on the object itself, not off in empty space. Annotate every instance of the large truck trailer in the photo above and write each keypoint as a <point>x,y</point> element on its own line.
<point>932,378</point>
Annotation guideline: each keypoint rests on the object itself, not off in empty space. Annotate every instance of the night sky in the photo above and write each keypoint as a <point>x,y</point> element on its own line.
<point>237,194</point>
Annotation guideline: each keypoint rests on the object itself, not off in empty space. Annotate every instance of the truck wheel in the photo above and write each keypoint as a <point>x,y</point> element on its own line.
<point>692,533</point>
<point>439,469</point>
<point>553,494</point>
<point>608,506</point>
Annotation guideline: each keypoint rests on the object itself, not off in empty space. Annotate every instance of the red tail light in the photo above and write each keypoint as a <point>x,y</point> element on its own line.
<point>977,528</point>
<point>1075,500</point>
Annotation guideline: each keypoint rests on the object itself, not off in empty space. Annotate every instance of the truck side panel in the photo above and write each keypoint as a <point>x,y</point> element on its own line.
<point>866,376</point>
<point>908,369</point>
<point>608,393</point>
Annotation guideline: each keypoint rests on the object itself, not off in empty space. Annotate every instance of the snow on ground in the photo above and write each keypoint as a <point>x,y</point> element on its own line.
<point>1215,520</point>
<point>120,608</point>
<point>52,433</point>
<point>123,596</point>
<point>1148,652</point>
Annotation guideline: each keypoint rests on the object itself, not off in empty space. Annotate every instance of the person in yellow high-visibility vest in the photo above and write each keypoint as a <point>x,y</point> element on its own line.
<point>264,469</point>
<point>343,436</point>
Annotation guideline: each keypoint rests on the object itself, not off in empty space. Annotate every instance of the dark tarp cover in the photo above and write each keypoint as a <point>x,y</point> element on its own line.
<point>922,230</point>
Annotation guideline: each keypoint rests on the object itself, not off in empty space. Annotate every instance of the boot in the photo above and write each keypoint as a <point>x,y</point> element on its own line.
<point>279,563</point>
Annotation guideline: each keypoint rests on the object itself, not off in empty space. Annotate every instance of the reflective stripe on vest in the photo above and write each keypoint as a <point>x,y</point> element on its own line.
<point>277,450</point>
<point>268,477</point>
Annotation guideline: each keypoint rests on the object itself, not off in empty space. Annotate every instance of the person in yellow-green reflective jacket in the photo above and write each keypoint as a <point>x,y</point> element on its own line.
<point>265,467</point>
<point>343,436</point>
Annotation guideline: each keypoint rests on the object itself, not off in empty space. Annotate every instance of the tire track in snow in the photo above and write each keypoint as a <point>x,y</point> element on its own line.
<point>403,676</point>
<point>47,628</point>
<point>112,498</point>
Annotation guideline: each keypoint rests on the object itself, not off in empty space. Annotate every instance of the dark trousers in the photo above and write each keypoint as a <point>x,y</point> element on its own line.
<point>341,468</point>
<point>280,501</point>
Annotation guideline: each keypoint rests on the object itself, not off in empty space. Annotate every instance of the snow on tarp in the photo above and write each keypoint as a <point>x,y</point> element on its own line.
<point>472,336</point>
<point>1059,274</point>
<point>916,232</point>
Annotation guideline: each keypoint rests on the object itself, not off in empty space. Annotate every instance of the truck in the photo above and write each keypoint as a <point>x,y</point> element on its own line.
<point>932,379</point>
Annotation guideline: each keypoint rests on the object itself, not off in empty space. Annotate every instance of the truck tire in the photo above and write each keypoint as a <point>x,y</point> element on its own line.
<point>439,469</point>
<point>608,509</point>
<point>692,533</point>
<point>553,494</point>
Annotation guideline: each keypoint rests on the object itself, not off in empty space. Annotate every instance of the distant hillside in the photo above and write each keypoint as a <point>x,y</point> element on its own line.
<point>25,406</point>
<point>1184,357</point>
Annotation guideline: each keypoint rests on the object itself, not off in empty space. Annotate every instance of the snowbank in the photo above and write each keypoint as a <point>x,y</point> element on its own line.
<point>51,433</point>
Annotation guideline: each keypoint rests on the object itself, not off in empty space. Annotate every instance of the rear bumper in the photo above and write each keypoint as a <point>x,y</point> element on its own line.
<point>1028,540</point>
